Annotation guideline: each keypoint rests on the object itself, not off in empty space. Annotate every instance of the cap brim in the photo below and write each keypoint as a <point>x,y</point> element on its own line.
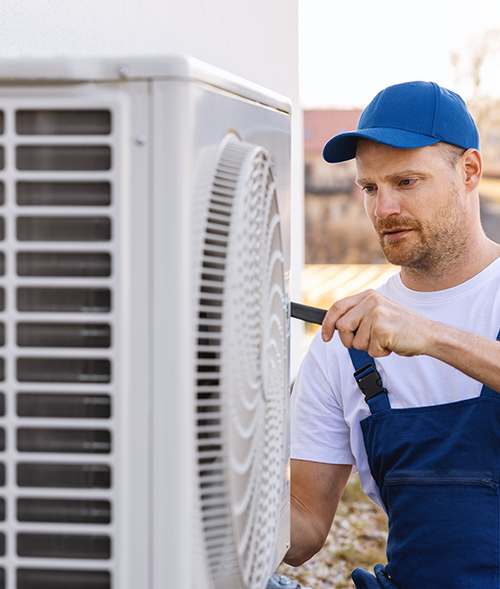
<point>343,147</point>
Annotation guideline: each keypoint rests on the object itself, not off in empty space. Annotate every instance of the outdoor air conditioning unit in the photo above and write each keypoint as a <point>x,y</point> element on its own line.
<point>144,269</point>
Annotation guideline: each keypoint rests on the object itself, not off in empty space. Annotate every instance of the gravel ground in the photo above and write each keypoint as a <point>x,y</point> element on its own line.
<point>357,539</point>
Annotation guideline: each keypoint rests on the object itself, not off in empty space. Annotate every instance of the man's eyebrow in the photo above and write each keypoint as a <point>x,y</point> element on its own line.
<point>395,176</point>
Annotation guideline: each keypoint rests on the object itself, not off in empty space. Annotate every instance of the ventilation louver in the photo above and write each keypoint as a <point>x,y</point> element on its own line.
<point>241,368</point>
<point>56,185</point>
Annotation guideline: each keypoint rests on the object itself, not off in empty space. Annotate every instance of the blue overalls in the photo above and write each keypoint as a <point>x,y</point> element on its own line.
<point>437,470</point>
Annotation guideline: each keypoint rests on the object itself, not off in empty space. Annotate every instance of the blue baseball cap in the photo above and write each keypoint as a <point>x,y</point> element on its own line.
<point>407,116</point>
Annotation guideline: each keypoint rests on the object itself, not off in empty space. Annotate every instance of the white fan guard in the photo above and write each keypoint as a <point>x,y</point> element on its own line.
<point>242,369</point>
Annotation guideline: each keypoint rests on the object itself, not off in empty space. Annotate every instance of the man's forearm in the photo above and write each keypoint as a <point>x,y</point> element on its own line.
<point>307,534</point>
<point>316,489</point>
<point>474,355</point>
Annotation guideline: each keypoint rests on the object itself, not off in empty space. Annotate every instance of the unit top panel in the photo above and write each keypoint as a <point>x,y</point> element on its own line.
<point>31,70</point>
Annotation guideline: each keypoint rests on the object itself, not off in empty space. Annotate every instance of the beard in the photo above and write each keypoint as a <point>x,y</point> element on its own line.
<point>431,245</point>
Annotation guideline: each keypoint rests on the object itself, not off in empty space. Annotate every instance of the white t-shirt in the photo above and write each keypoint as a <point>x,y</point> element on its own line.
<point>327,404</point>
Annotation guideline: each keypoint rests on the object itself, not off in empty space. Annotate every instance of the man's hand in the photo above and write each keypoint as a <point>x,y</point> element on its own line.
<point>371,322</point>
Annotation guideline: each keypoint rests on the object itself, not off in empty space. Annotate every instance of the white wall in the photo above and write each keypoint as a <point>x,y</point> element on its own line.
<point>255,39</point>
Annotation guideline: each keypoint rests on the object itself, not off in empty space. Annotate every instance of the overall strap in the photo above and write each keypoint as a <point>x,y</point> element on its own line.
<point>486,391</point>
<point>369,380</point>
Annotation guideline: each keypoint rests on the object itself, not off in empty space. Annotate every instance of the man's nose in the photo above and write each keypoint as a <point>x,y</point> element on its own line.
<point>387,203</point>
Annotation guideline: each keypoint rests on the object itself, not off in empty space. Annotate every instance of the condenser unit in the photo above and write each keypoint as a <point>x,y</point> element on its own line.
<point>144,268</point>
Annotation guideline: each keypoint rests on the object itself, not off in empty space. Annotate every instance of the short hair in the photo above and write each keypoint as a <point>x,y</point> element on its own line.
<point>452,153</point>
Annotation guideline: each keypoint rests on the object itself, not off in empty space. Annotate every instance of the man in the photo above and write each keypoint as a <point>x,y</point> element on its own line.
<point>421,423</point>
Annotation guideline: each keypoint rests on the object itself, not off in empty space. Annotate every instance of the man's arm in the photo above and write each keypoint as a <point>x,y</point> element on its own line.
<point>316,489</point>
<point>371,322</point>
<point>472,354</point>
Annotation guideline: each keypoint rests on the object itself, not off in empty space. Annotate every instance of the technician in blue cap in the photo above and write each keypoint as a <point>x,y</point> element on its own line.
<point>420,417</point>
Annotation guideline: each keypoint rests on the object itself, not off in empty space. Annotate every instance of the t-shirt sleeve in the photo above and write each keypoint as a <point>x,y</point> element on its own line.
<point>319,432</point>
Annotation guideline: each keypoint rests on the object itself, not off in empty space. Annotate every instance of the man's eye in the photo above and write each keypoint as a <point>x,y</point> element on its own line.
<point>407,181</point>
<point>368,188</point>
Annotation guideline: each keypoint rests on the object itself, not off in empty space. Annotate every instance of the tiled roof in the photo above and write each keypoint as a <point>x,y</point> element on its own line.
<point>322,125</point>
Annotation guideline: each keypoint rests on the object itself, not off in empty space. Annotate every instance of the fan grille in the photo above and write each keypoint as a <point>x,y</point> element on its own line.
<point>241,369</point>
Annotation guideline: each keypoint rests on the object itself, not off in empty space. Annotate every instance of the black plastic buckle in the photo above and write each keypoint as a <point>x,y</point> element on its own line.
<point>369,381</point>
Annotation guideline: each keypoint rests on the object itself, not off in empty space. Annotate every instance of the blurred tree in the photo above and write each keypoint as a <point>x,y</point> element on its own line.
<point>476,66</point>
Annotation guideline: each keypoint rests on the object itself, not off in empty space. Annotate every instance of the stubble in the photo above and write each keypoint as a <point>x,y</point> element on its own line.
<point>431,246</point>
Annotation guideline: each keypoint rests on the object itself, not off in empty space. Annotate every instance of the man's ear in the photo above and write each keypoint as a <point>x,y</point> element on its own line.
<point>471,163</point>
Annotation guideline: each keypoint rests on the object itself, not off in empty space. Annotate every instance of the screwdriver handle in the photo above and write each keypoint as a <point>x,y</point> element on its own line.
<point>309,314</point>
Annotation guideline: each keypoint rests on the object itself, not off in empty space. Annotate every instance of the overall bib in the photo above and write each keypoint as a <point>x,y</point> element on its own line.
<point>437,470</point>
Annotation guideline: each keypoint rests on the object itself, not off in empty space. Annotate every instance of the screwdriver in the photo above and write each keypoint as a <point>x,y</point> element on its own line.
<point>309,314</point>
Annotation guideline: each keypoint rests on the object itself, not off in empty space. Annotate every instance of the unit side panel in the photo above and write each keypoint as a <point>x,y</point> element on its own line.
<point>136,508</point>
<point>190,121</point>
<point>173,366</point>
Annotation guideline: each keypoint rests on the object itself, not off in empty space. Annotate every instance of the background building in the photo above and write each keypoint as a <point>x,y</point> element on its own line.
<point>337,230</point>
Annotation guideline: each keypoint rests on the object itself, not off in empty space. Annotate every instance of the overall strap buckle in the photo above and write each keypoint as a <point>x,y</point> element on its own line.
<point>369,381</point>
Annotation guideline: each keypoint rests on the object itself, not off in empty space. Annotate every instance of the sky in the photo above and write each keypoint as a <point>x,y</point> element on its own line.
<point>351,49</point>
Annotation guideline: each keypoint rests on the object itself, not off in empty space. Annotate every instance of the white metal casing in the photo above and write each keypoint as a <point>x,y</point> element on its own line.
<point>165,112</point>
